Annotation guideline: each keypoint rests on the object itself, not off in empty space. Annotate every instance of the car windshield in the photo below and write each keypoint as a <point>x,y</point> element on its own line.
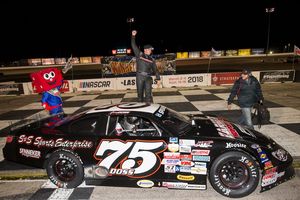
<point>176,122</point>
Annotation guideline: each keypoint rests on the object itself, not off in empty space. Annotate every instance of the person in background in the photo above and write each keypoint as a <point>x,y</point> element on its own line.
<point>248,91</point>
<point>146,67</point>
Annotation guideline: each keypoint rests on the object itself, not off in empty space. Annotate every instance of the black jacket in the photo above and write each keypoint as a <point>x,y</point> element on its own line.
<point>248,93</point>
<point>145,64</point>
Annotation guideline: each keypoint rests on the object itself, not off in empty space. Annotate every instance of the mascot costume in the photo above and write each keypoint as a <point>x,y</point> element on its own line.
<point>48,82</point>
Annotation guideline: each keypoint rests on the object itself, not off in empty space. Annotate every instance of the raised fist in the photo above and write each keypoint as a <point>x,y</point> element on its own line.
<point>134,32</point>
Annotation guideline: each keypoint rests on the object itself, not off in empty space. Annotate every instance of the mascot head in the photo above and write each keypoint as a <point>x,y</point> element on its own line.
<point>46,79</point>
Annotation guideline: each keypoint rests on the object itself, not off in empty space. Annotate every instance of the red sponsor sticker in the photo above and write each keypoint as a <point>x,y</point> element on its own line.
<point>186,157</point>
<point>200,152</point>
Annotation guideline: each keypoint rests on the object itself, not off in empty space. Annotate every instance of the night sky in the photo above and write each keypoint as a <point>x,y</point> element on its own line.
<point>57,29</point>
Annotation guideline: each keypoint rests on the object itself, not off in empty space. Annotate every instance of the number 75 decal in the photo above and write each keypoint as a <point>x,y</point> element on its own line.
<point>131,158</point>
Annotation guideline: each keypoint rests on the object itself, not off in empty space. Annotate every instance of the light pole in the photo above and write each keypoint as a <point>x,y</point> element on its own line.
<point>269,11</point>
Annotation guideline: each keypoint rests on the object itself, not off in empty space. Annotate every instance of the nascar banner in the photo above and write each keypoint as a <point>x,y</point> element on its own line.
<point>95,84</point>
<point>277,76</point>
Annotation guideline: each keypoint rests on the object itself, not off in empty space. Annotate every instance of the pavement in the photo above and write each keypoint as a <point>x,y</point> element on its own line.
<point>287,95</point>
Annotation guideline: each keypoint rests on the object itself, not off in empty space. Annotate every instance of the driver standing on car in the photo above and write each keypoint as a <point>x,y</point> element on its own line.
<point>146,67</point>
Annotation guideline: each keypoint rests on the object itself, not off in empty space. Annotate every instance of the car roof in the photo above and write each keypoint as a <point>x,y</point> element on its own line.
<point>126,107</point>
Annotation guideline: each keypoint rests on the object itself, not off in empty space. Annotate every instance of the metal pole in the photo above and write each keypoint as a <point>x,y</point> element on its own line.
<point>269,11</point>
<point>268,39</point>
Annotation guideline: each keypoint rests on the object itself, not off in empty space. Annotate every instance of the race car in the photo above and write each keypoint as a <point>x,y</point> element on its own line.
<point>149,145</point>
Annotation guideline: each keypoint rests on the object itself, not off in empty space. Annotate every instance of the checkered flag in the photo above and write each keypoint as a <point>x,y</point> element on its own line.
<point>68,65</point>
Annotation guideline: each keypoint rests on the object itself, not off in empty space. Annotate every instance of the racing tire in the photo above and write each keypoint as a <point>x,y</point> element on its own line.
<point>65,169</point>
<point>234,174</point>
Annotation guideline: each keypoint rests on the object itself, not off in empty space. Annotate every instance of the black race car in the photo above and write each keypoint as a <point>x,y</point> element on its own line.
<point>146,145</point>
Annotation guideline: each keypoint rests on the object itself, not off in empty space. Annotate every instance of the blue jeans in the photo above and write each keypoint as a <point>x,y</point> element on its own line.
<point>245,118</point>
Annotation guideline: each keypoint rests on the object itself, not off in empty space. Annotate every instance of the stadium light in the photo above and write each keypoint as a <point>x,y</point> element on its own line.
<point>269,11</point>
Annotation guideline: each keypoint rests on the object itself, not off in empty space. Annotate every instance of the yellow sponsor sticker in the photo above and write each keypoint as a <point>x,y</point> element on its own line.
<point>185,177</point>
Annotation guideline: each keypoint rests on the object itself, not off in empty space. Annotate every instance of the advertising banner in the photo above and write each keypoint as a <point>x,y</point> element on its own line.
<point>244,52</point>
<point>186,80</point>
<point>84,60</point>
<point>129,83</point>
<point>35,61</point>
<point>277,76</point>
<point>95,84</point>
<point>194,54</point>
<point>224,78</point>
<point>231,52</point>
<point>126,65</point>
<point>257,51</point>
<point>180,55</point>
<point>60,61</point>
<point>11,89</point>
<point>48,61</point>
<point>205,54</point>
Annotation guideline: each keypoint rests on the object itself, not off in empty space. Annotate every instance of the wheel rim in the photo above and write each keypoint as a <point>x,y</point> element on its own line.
<point>234,174</point>
<point>64,170</point>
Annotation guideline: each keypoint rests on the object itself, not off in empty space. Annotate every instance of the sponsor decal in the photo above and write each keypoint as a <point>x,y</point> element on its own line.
<point>271,171</point>
<point>173,140</point>
<point>185,149</point>
<point>171,155</point>
<point>30,153</point>
<point>186,157</point>
<point>186,142</point>
<point>160,112</point>
<point>245,130</point>
<point>268,165</point>
<point>252,169</point>
<point>262,155</point>
<point>195,187</point>
<point>200,164</point>
<point>204,144</point>
<point>280,154</point>
<point>224,128</point>
<point>201,158</point>
<point>255,146</point>
<point>198,170</point>
<point>170,169</point>
<point>121,172</point>
<point>271,178</point>
<point>60,142</point>
<point>185,169</point>
<point>170,162</point>
<point>145,183</point>
<point>200,152</point>
<point>182,185</point>
<point>177,185</point>
<point>185,177</point>
<point>186,163</point>
<point>234,145</point>
<point>173,147</point>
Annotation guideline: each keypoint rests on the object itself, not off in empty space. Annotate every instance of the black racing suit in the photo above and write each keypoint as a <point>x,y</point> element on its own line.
<point>146,67</point>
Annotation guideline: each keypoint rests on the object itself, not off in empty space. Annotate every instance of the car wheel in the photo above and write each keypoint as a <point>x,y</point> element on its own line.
<point>234,174</point>
<point>65,169</point>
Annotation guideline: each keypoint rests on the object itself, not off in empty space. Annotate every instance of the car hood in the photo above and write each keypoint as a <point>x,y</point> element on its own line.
<point>211,126</point>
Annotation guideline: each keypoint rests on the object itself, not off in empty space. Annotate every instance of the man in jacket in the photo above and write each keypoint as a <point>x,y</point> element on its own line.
<point>146,67</point>
<point>248,90</point>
